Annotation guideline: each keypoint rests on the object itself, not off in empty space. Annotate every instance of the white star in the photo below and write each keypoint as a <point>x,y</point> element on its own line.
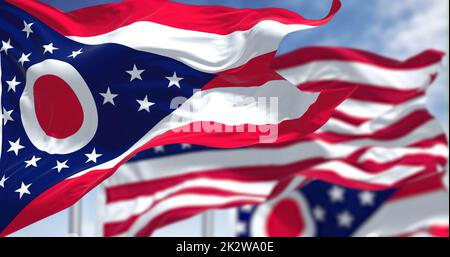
<point>186,146</point>
<point>319,213</point>
<point>32,162</point>
<point>60,165</point>
<point>75,53</point>
<point>345,219</point>
<point>6,46</point>
<point>366,198</point>
<point>144,104</point>
<point>2,181</point>
<point>174,80</point>
<point>159,149</point>
<point>23,190</point>
<point>93,156</point>
<point>6,116</point>
<point>12,84</point>
<point>135,73</point>
<point>27,28</point>
<point>24,58</point>
<point>15,146</point>
<point>49,48</point>
<point>108,97</point>
<point>336,194</point>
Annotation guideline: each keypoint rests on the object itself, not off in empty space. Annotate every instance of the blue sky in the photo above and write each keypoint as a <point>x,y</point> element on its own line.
<point>397,29</point>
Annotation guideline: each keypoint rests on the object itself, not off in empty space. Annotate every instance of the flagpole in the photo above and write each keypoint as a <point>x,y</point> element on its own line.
<point>208,224</point>
<point>75,220</point>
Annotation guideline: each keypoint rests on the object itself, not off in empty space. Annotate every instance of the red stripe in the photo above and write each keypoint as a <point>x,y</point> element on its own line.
<point>184,213</point>
<point>255,72</point>
<point>396,130</point>
<point>439,139</point>
<point>425,143</point>
<point>368,93</point>
<point>55,199</point>
<point>324,53</point>
<point>333,177</point>
<point>385,95</point>
<point>290,130</point>
<point>345,117</point>
<point>434,231</point>
<point>116,228</point>
<point>422,185</point>
<point>439,231</point>
<point>97,20</point>
<point>118,194</point>
<point>425,160</point>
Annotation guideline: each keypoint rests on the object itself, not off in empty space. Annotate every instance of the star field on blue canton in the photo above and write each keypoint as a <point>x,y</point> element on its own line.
<point>132,92</point>
<point>335,211</point>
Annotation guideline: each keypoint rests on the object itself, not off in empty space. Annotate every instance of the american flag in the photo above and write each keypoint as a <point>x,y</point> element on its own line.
<point>379,139</point>
<point>83,92</point>
<point>320,209</point>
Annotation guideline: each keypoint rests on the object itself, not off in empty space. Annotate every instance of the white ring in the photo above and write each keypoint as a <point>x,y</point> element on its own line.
<point>30,122</point>
<point>259,220</point>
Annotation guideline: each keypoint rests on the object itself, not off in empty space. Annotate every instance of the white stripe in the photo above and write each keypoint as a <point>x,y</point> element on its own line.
<point>408,215</point>
<point>187,200</point>
<point>360,73</point>
<point>183,164</point>
<point>101,210</point>
<point>383,155</point>
<point>389,117</point>
<point>387,177</point>
<point>427,130</point>
<point>122,210</point>
<point>203,51</point>
<point>364,109</point>
<point>270,103</point>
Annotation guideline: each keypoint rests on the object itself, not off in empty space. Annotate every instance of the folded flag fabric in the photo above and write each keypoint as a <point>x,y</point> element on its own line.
<point>380,138</point>
<point>320,209</point>
<point>83,92</point>
<point>383,133</point>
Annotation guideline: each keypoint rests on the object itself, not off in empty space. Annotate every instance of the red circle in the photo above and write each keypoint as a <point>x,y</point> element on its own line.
<point>57,107</point>
<point>285,219</point>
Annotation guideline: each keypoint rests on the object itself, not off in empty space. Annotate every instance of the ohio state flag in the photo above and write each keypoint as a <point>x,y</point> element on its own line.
<point>83,92</point>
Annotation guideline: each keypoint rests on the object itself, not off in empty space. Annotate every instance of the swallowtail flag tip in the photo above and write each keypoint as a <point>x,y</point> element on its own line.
<point>72,113</point>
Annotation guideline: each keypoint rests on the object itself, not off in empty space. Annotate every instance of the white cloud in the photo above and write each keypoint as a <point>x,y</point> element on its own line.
<point>419,25</point>
<point>404,28</point>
